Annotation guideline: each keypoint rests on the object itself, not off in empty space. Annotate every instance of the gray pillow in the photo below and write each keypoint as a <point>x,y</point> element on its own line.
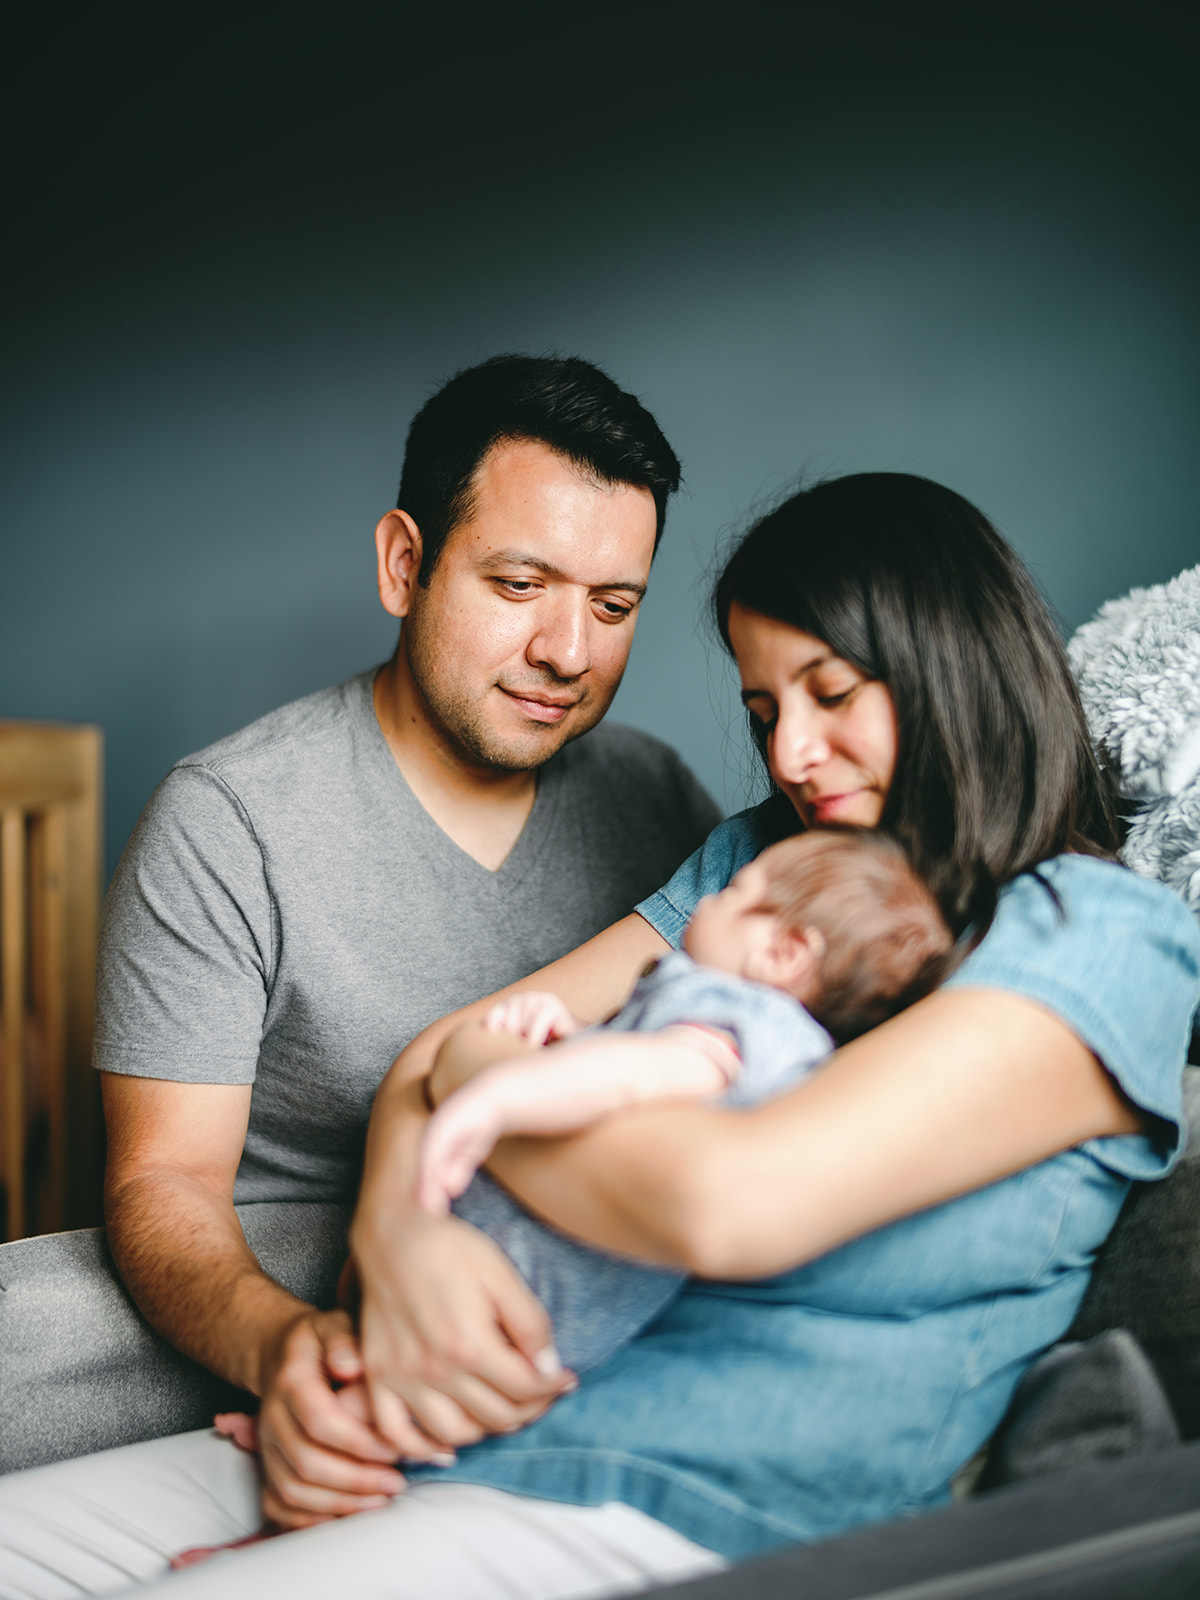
<point>1078,1404</point>
<point>1148,1276</point>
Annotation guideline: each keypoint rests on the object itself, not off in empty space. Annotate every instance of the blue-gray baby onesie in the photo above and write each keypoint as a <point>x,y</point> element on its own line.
<point>598,1301</point>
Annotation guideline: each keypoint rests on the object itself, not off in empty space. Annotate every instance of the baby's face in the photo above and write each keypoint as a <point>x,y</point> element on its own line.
<point>733,930</point>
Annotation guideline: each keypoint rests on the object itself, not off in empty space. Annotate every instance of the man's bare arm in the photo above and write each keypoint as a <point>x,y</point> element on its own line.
<point>174,1149</point>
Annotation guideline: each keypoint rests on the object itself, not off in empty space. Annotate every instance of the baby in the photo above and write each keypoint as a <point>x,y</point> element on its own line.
<point>818,939</point>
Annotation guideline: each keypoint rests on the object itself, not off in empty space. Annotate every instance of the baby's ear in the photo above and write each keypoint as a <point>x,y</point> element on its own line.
<point>792,961</point>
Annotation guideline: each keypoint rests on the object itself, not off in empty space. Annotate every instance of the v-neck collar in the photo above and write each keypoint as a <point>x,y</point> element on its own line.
<point>528,843</point>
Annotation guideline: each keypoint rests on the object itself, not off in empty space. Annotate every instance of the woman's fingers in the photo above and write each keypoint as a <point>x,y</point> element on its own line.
<point>437,1337</point>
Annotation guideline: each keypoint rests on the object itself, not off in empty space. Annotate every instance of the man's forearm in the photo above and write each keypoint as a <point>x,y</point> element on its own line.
<point>180,1249</point>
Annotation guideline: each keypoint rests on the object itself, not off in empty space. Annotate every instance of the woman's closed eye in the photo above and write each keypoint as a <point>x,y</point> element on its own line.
<point>762,708</point>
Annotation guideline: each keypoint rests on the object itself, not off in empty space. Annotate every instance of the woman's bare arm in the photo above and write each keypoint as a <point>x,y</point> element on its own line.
<point>963,1089</point>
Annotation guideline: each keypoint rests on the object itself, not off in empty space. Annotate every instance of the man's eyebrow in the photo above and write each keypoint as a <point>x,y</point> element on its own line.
<point>522,558</point>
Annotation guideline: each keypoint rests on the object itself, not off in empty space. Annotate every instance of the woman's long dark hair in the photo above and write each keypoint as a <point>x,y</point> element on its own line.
<point>909,582</point>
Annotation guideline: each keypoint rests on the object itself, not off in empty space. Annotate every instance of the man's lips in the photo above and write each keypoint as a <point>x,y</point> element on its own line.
<point>541,707</point>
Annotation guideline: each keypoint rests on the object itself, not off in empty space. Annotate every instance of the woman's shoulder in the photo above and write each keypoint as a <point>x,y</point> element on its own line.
<point>728,848</point>
<point>1116,956</point>
<point>1077,902</point>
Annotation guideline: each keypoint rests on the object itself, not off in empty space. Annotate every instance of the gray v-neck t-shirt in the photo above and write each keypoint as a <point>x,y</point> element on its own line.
<point>287,914</point>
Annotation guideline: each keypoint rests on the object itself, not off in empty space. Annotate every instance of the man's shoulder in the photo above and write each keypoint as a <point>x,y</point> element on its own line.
<point>638,796</point>
<point>307,724</point>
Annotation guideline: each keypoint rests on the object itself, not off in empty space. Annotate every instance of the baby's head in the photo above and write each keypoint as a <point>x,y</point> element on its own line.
<point>838,918</point>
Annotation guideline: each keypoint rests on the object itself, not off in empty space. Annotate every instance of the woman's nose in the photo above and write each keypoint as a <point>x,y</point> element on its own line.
<point>797,748</point>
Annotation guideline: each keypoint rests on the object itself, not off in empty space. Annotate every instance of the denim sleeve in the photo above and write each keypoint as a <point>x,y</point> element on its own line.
<point>726,850</point>
<point>1118,959</point>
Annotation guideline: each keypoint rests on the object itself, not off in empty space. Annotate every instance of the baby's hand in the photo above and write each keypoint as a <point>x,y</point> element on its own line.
<point>534,1015</point>
<point>458,1139</point>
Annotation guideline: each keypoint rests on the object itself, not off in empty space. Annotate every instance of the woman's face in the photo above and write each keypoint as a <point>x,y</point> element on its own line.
<point>831,731</point>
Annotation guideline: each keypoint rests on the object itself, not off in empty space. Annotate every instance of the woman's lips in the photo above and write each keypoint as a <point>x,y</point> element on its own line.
<point>831,807</point>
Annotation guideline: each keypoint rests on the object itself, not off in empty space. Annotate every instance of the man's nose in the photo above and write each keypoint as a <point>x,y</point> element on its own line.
<point>797,747</point>
<point>562,640</point>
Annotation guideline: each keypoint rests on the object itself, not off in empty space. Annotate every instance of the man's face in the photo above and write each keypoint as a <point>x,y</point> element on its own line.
<point>520,640</point>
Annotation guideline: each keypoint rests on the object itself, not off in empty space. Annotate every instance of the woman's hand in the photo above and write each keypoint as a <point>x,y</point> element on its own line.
<point>451,1336</point>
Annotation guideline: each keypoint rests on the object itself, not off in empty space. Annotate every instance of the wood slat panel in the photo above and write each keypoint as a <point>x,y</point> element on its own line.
<point>50,796</point>
<point>48,884</point>
<point>13,957</point>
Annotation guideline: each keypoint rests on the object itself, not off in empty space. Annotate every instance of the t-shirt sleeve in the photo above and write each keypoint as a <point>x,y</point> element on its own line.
<point>727,849</point>
<point>187,942</point>
<point>1118,959</point>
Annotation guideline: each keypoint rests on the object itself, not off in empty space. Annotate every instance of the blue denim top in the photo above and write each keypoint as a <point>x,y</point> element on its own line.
<point>852,1389</point>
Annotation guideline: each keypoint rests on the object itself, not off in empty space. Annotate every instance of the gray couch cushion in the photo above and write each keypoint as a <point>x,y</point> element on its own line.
<point>81,1369</point>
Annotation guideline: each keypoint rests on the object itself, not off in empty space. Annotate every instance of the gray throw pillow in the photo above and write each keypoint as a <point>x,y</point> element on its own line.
<point>1148,1276</point>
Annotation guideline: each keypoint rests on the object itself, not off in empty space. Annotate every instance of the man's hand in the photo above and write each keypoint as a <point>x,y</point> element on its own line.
<point>453,1341</point>
<point>534,1015</point>
<point>321,1456</point>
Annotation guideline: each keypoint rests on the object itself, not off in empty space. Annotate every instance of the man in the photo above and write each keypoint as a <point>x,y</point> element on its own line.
<point>302,898</point>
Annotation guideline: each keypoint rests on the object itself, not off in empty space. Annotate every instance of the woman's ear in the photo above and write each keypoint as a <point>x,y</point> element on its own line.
<point>398,545</point>
<point>792,961</point>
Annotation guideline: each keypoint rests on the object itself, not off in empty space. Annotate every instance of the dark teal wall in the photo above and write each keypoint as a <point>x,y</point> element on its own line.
<point>245,255</point>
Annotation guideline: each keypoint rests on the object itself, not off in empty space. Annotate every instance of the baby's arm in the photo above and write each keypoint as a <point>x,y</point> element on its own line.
<point>560,1090</point>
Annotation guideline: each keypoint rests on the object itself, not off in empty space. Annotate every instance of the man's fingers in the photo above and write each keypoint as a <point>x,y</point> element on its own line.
<point>301,1392</point>
<point>292,1501</point>
<point>304,1461</point>
<point>343,1357</point>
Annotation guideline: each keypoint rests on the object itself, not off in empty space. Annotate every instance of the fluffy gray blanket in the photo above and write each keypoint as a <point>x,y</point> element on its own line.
<point>1137,663</point>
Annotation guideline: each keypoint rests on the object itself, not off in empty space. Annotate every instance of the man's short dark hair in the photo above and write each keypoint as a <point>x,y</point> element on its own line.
<point>560,401</point>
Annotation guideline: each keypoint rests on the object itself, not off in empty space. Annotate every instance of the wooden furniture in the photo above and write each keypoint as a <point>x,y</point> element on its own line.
<point>50,864</point>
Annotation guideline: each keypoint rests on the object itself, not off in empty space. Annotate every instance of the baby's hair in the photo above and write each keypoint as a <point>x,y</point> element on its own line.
<point>886,940</point>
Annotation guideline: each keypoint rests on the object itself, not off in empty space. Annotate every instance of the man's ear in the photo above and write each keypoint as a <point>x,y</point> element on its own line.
<point>398,544</point>
<point>792,961</point>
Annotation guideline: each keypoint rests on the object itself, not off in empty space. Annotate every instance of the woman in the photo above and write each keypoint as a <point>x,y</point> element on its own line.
<point>879,1253</point>
<point>899,669</point>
